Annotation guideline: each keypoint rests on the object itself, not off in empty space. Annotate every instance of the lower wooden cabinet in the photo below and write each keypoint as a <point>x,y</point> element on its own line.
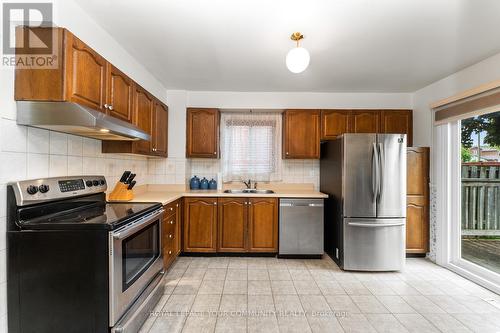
<point>171,233</point>
<point>417,200</point>
<point>263,225</point>
<point>200,225</point>
<point>230,225</point>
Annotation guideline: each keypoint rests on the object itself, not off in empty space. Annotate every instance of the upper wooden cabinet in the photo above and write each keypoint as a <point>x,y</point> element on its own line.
<point>87,74</point>
<point>417,200</point>
<point>202,133</point>
<point>200,225</point>
<point>120,94</point>
<point>364,121</point>
<point>301,134</point>
<point>337,122</point>
<point>160,129</point>
<point>334,123</point>
<point>397,121</point>
<point>86,78</point>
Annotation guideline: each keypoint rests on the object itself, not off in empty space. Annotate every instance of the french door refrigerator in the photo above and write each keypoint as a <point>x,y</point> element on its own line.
<point>365,214</point>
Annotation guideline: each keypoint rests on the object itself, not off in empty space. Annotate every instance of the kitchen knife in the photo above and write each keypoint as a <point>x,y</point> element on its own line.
<point>125,175</point>
<point>130,178</point>
<point>131,185</point>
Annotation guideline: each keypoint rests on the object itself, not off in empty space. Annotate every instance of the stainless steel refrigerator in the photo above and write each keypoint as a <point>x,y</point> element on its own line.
<point>365,214</point>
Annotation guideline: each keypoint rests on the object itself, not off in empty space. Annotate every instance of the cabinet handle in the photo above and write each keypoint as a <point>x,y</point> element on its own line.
<point>111,107</point>
<point>176,205</point>
<point>106,105</point>
<point>172,222</point>
<point>215,203</point>
<point>287,153</point>
<point>215,153</point>
<point>170,209</point>
<point>170,236</point>
<point>169,252</point>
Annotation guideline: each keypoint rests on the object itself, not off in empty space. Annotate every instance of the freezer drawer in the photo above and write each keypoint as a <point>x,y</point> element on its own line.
<point>301,227</point>
<point>374,244</point>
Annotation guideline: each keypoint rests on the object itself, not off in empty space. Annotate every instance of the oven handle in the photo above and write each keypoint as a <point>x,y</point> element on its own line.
<point>137,225</point>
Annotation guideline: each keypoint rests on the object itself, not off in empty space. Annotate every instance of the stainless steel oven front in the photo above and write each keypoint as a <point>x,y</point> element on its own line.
<point>135,258</point>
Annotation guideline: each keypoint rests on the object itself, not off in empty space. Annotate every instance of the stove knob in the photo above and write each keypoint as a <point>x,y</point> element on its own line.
<point>32,189</point>
<point>43,188</point>
<point>102,182</point>
<point>95,182</point>
<point>88,183</point>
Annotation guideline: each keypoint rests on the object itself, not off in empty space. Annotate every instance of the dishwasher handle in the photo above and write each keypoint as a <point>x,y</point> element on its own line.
<point>301,205</point>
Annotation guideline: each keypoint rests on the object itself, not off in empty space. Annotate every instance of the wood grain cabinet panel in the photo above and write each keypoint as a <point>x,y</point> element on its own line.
<point>171,233</point>
<point>200,225</point>
<point>202,133</point>
<point>334,123</point>
<point>263,225</point>
<point>364,121</point>
<point>397,121</point>
<point>417,211</point>
<point>120,94</point>
<point>143,111</point>
<point>87,74</point>
<point>301,134</point>
<point>232,225</point>
<point>160,129</point>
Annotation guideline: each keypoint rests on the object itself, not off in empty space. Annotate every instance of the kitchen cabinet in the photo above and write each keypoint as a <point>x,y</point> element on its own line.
<point>232,225</point>
<point>202,133</point>
<point>417,200</point>
<point>397,121</point>
<point>171,233</point>
<point>364,121</point>
<point>334,123</point>
<point>263,225</point>
<point>301,134</point>
<point>86,78</point>
<point>120,94</point>
<point>200,225</point>
<point>160,129</point>
<point>152,117</point>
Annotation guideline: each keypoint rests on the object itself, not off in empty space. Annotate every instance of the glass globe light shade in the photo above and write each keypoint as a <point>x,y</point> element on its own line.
<point>297,59</point>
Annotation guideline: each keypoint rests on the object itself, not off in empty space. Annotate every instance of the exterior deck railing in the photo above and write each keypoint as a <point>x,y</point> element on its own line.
<point>481,199</point>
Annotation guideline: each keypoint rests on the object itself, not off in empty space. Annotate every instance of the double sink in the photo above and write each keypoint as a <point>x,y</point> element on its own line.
<point>249,191</point>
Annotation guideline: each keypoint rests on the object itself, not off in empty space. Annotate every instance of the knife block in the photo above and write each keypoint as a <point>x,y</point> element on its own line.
<point>121,193</point>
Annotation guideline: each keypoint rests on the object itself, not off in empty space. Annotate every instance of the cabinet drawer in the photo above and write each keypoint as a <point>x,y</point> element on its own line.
<point>171,209</point>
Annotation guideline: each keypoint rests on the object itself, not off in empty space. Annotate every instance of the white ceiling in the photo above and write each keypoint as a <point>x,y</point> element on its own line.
<point>355,45</point>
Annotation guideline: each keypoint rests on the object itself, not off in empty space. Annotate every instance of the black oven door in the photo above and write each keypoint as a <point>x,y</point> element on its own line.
<point>135,259</point>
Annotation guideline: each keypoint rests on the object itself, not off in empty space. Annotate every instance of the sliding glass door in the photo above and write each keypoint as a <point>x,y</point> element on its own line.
<point>480,191</point>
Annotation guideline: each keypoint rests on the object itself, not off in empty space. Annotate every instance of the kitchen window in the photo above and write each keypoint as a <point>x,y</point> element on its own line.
<point>251,146</point>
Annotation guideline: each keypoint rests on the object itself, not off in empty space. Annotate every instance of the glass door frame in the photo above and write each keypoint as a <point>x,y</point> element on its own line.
<point>447,175</point>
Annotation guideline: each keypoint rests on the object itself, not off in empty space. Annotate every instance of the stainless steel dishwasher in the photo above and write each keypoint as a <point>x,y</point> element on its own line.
<point>301,228</point>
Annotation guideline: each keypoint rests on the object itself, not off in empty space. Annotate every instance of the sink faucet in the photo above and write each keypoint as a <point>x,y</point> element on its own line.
<point>248,184</point>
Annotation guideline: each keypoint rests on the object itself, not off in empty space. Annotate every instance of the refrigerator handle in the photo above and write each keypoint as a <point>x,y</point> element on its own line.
<point>381,170</point>
<point>375,171</point>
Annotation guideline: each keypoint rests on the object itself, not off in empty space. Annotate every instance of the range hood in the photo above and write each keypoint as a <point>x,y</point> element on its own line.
<point>72,118</point>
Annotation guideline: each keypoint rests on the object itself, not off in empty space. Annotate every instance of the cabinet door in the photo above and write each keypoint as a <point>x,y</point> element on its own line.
<point>86,74</point>
<point>365,121</point>
<point>143,112</point>
<point>417,211</point>
<point>160,129</point>
<point>232,216</point>
<point>120,94</point>
<point>301,134</point>
<point>200,224</point>
<point>334,123</point>
<point>263,225</point>
<point>397,121</point>
<point>169,239</point>
<point>202,133</point>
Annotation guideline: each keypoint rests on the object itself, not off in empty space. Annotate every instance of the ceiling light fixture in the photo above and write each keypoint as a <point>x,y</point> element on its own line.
<point>297,58</point>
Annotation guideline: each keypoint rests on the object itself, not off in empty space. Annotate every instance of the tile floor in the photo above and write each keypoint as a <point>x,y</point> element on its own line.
<point>221,294</point>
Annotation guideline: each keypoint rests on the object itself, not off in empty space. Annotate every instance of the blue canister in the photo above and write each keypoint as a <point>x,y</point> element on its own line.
<point>194,183</point>
<point>212,184</point>
<point>204,184</point>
